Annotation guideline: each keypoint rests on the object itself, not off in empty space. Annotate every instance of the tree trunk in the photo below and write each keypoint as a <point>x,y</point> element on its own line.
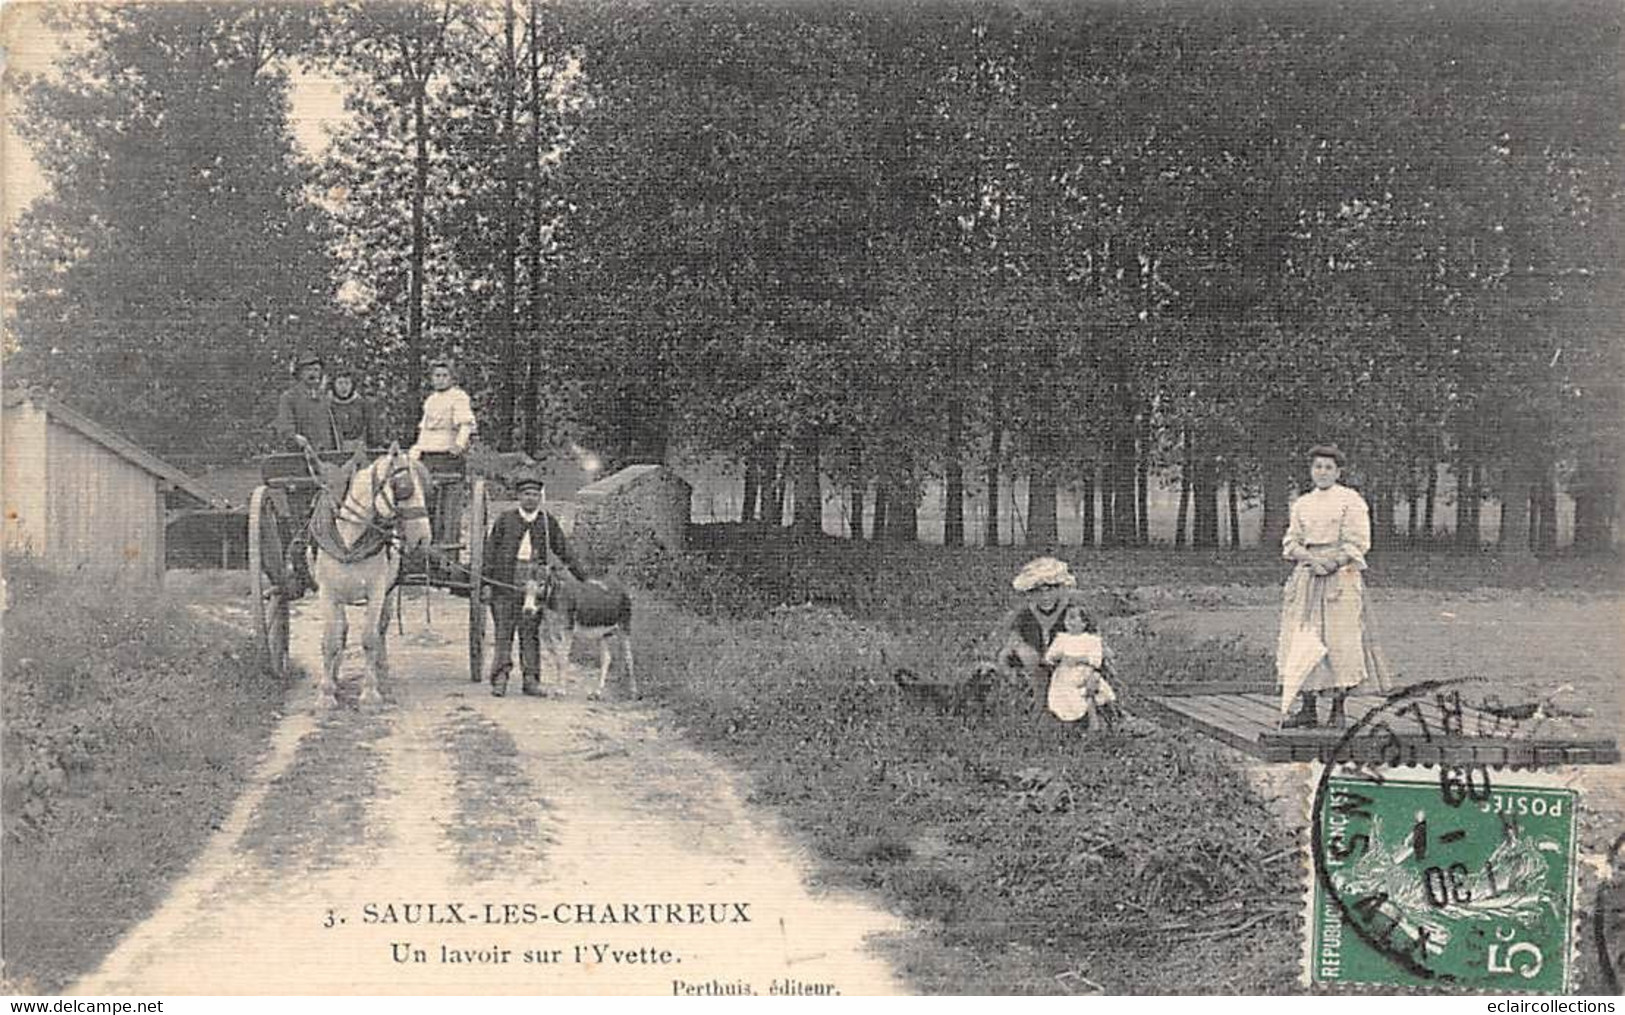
<point>417,353</point>
<point>991,480</point>
<point>508,388</point>
<point>1546,497</point>
<point>809,505</point>
<point>1536,510</point>
<point>953,472</point>
<point>753,489</point>
<point>1432,499</point>
<point>1108,485</point>
<point>903,517</point>
<point>535,390</point>
<point>1279,482</point>
<point>1235,517</point>
<point>859,491</point>
<point>1086,506</point>
<point>1516,482</point>
<point>1182,517</point>
<point>1413,508</point>
<point>773,506</point>
<point>1595,494</point>
<point>877,532</point>
<point>1043,527</point>
<point>1381,509</point>
<point>1206,492</point>
<point>1142,483</point>
<point>1127,523</point>
<point>1466,498</point>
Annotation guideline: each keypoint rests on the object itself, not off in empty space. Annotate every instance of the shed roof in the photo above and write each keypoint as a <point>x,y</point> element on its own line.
<point>54,409</point>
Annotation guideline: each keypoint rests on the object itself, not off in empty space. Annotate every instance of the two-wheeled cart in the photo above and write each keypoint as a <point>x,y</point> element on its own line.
<point>280,508</point>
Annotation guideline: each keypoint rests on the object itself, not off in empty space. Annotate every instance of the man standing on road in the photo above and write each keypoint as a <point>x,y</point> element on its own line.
<point>304,413</point>
<point>521,542</point>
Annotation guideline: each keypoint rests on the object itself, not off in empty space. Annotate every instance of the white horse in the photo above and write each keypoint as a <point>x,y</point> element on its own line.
<point>358,543</point>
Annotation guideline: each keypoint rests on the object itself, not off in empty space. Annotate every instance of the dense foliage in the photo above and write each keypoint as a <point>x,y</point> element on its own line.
<point>1081,243</point>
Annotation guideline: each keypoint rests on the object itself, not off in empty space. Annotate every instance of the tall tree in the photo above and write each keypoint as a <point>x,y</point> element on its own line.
<point>174,266</point>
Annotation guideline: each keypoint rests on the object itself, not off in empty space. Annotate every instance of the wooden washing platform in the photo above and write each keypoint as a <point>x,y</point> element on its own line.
<point>1248,718</point>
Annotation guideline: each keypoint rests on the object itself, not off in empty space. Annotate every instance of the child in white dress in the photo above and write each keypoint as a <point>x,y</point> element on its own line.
<point>1078,690</point>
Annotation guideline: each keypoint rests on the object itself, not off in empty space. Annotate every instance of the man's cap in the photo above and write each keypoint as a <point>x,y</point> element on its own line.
<point>443,361</point>
<point>307,359</point>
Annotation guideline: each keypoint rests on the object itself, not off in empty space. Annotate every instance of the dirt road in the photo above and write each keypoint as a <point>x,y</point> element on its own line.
<point>452,842</point>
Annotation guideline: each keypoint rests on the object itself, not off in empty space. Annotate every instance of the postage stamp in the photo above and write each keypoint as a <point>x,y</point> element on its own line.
<point>1456,876</point>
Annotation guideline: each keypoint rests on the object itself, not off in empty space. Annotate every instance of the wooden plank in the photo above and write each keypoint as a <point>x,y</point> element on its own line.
<point>1252,723</point>
<point>1208,687</point>
<point>1247,722</point>
<point>1211,722</point>
<point>1195,712</point>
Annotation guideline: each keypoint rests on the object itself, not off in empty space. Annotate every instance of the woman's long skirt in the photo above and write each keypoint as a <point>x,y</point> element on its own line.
<point>1334,607</point>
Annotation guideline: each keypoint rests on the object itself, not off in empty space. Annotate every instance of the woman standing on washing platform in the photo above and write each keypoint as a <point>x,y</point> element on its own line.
<point>1328,538</point>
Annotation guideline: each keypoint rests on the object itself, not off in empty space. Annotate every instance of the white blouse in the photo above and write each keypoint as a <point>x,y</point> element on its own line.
<point>448,421</point>
<point>1088,649</point>
<point>1336,516</point>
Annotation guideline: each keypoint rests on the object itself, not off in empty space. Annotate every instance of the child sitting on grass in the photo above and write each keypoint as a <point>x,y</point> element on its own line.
<point>1078,691</point>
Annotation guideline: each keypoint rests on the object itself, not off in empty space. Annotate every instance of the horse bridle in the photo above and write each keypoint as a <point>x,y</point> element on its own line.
<point>388,494</point>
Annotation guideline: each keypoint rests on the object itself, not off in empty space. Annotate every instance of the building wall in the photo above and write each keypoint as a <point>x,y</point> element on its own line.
<point>640,504</point>
<point>22,479</point>
<point>104,514</point>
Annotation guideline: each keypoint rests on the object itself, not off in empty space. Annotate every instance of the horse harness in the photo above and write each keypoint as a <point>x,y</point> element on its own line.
<point>374,538</point>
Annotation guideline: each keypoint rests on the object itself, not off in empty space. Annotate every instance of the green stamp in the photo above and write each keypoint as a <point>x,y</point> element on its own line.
<point>1452,882</point>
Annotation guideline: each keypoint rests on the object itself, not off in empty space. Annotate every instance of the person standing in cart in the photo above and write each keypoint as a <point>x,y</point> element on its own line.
<point>522,540</point>
<point>444,433</point>
<point>353,414</point>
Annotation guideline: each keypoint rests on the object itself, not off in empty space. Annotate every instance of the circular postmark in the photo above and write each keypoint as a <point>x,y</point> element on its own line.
<point>1440,874</point>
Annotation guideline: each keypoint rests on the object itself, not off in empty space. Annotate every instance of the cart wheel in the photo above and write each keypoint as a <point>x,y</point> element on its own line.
<point>266,572</point>
<point>476,565</point>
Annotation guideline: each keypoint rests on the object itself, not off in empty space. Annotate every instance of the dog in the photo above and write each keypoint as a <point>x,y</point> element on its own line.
<point>950,696</point>
<point>570,607</point>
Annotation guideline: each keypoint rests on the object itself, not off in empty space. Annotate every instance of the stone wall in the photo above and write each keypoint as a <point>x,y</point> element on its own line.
<point>628,514</point>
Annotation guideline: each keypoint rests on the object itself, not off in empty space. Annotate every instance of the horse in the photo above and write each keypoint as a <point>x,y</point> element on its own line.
<point>570,607</point>
<point>357,544</point>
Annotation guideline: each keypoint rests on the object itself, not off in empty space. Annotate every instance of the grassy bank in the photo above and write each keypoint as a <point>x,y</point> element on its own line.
<point>130,727</point>
<point>1027,851</point>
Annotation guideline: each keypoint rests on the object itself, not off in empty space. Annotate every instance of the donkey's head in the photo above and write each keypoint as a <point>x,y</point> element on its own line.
<point>538,581</point>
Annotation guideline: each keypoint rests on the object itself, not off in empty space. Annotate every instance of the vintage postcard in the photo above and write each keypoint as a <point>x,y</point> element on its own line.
<point>542,497</point>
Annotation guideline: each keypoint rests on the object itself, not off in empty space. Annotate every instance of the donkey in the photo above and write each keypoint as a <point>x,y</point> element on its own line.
<point>570,607</point>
